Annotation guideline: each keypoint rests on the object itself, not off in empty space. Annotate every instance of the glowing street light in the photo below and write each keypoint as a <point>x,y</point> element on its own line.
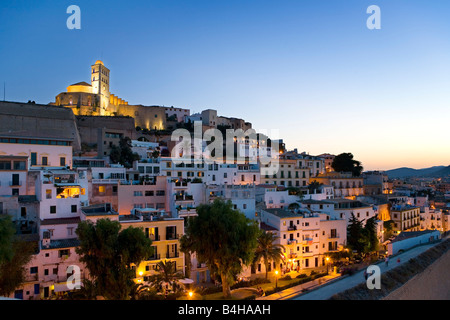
<point>327,259</point>
<point>276,279</point>
<point>190,294</point>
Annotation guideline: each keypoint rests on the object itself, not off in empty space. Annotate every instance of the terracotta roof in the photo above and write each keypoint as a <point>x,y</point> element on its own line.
<point>82,83</point>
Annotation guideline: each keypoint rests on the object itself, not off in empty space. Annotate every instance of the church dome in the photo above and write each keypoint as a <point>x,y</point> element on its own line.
<point>99,62</point>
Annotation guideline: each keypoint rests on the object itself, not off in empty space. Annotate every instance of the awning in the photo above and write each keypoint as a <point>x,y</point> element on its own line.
<point>186,281</point>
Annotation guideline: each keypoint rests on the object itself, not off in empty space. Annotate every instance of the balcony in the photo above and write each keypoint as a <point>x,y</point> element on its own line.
<point>155,257</point>
<point>170,255</point>
<point>292,228</point>
<point>154,237</point>
<point>15,183</point>
<point>292,241</point>
<point>333,236</point>
<point>172,236</point>
<point>184,197</point>
<point>108,181</point>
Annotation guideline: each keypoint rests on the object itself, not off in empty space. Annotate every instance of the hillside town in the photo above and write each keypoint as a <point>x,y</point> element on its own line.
<point>90,156</point>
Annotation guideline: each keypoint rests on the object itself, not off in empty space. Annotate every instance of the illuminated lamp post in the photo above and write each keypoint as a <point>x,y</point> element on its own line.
<point>276,279</point>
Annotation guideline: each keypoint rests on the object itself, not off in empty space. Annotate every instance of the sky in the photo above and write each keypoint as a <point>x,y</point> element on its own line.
<point>310,72</point>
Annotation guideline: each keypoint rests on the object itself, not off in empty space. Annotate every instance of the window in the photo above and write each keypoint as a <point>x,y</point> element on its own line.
<point>33,270</point>
<point>62,161</point>
<point>52,209</point>
<point>48,193</point>
<point>137,193</point>
<point>101,189</point>
<point>19,165</point>
<point>73,208</point>
<point>149,193</point>
<point>23,212</point>
<point>64,252</point>
<point>33,158</point>
<point>5,165</point>
<point>44,161</point>
<point>160,192</point>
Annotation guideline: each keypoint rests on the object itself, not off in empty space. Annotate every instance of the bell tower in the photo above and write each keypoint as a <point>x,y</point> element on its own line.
<point>100,87</point>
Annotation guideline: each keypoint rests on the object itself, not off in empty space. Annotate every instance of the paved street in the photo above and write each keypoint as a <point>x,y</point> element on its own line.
<point>325,292</point>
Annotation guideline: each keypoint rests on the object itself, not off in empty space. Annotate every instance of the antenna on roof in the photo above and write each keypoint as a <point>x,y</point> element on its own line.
<point>4,90</point>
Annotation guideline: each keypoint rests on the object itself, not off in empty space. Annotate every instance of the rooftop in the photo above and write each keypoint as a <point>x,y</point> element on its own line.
<point>312,201</point>
<point>266,227</point>
<point>281,213</point>
<point>47,222</point>
<point>412,234</point>
<point>99,210</point>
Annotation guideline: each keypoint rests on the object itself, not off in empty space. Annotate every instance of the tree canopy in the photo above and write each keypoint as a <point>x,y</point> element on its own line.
<point>14,256</point>
<point>344,162</point>
<point>362,239</point>
<point>109,254</point>
<point>223,238</point>
<point>123,154</point>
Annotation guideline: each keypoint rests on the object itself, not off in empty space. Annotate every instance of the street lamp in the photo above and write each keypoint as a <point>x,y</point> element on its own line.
<point>276,279</point>
<point>327,258</point>
<point>190,294</point>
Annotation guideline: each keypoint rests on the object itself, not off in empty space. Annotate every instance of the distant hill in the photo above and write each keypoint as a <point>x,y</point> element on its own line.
<point>426,172</point>
<point>444,172</point>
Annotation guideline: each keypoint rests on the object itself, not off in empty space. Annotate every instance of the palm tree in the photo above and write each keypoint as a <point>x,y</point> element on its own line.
<point>88,291</point>
<point>267,250</point>
<point>167,273</point>
<point>137,290</point>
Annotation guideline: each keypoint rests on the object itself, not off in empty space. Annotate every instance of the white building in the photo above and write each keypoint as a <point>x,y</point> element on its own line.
<point>236,174</point>
<point>305,235</point>
<point>241,196</point>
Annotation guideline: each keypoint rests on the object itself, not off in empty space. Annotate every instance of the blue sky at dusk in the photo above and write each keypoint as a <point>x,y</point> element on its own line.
<point>310,69</point>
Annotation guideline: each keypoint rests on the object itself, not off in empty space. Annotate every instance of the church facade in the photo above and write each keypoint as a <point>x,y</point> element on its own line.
<point>95,99</point>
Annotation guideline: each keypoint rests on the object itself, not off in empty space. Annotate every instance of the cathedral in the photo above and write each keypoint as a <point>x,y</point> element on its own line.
<point>95,99</point>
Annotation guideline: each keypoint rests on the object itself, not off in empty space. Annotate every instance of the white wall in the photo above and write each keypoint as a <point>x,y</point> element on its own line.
<point>395,247</point>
